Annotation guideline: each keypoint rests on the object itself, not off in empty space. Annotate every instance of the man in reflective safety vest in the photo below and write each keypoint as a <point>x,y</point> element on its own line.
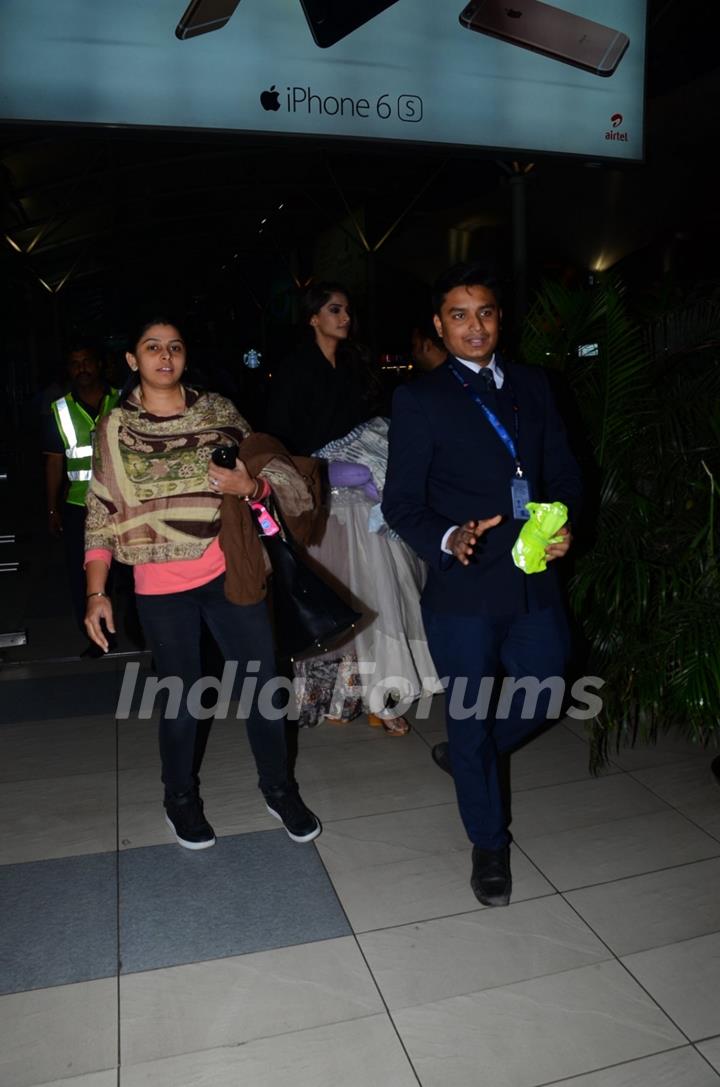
<point>68,459</point>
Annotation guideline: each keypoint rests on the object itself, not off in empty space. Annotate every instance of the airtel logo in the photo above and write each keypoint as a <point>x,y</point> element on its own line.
<point>612,134</point>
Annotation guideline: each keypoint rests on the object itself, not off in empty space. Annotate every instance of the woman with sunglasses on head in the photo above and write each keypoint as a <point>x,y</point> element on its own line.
<point>154,503</point>
<point>325,401</point>
<point>329,384</point>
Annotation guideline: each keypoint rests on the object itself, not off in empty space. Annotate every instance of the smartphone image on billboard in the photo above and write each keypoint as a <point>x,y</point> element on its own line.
<point>331,20</point>
<point>202,16</point>
<point>545,29</point>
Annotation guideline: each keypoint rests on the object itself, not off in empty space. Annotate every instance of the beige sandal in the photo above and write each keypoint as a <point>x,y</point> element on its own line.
<point>393,726</point>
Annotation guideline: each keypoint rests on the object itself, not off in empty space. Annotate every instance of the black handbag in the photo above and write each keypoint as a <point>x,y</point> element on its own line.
<point>308,614</point>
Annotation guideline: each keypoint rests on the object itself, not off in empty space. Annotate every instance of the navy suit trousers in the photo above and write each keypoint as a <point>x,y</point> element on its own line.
<point>482,728</point>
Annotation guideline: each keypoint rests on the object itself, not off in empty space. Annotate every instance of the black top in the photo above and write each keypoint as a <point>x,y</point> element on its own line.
<point>312,402</point>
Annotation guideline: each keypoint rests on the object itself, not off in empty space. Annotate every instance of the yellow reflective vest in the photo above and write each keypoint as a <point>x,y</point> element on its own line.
<point>76,430</point>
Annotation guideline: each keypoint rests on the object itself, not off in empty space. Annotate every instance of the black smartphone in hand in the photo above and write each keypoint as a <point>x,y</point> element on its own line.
<point>202,16</point>
<point>225,456</point>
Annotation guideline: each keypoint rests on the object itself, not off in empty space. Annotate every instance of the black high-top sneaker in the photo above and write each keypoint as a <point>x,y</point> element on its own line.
<point>185,817</point>
<point>286,805</point>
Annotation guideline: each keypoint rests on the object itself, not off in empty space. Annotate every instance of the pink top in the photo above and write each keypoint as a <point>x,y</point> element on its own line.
<point>154,578</point>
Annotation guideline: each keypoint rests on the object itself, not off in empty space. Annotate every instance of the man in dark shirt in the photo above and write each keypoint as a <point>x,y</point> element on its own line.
<point>426,347</point>
<point>67,445</point>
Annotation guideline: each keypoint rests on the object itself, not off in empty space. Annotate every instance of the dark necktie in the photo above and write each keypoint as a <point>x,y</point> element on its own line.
<point>486,380</point>
<point>485,384</point>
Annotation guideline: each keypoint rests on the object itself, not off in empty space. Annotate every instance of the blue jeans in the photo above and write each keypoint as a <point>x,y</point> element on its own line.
<point>470,648</point>
<point>172,623</point>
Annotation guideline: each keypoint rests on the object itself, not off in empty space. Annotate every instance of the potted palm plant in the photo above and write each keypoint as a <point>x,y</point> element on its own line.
<point>645,588</point>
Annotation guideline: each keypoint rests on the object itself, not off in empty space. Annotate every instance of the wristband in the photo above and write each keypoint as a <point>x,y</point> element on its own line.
<point>97,594</point>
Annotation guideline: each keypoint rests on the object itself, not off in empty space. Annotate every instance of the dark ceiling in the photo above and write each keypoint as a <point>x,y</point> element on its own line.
<point>99,206</point>
<point>95,200</point>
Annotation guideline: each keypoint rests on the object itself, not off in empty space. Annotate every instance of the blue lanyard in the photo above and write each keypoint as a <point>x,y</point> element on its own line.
<point>493,420</point>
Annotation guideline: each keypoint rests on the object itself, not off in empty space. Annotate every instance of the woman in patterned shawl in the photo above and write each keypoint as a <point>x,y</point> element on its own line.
<point>154,503</point>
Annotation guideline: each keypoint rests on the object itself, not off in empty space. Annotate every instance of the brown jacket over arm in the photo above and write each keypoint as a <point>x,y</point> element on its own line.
<point>297,489</point>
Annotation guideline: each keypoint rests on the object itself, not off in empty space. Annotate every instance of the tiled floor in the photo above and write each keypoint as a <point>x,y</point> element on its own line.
<point>362,960</point>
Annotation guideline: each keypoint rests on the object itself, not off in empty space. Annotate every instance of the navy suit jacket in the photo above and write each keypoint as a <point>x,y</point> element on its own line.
<point>447,466</point>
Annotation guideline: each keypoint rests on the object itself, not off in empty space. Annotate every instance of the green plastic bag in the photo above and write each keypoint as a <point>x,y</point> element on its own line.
<point>529,549</point>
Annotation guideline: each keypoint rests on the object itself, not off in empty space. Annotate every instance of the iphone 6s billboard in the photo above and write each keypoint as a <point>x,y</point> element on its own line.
<point>528,76</point>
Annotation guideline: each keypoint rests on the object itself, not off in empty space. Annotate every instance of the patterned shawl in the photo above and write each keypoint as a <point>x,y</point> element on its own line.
<point>149,498</point>
<point>366,444</point>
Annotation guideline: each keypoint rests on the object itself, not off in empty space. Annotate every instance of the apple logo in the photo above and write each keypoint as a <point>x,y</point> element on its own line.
<point>270,100</point>
<point>512,13</point>
<point>616,120</point>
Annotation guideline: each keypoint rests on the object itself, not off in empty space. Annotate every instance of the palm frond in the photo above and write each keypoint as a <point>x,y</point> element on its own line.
<point>646,593</point>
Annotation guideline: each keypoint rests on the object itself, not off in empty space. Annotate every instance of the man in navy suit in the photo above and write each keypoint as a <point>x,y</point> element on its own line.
<point>470,443</point>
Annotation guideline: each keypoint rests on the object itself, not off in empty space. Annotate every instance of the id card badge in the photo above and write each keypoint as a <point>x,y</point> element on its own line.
<point>520,493</point>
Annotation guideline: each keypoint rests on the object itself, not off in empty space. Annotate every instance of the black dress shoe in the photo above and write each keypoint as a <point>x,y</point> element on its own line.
<point>441,757</point>
<point>491,880</point>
